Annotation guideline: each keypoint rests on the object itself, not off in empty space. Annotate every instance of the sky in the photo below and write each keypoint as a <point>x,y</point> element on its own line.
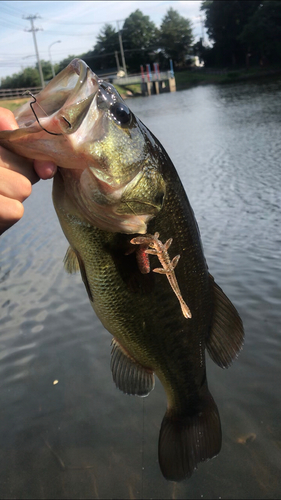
<point>75,24</point>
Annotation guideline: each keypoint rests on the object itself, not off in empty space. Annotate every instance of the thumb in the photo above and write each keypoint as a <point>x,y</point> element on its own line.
<point>45,169</point>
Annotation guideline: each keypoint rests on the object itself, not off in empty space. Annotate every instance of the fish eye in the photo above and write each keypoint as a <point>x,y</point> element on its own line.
<point>120,113</point>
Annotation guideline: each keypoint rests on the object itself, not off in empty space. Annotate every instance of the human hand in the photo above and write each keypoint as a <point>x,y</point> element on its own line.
<point>17,174</point>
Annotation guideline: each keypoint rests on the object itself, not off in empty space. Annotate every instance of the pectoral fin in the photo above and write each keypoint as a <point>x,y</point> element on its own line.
<point>226,336</point>
<point>128,375</point>
<point>71,264</point>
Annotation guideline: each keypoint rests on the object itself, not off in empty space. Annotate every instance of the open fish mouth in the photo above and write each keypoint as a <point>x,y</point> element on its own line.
<point>107,158</point>
<point>66,99</point>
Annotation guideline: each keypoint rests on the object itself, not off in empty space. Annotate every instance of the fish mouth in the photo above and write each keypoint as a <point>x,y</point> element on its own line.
<point>63,104</point>
<point>77,121</point>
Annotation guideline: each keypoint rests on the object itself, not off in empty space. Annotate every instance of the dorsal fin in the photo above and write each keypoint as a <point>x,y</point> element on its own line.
<point>128,375</point>
<point>226,336</point>
<point>70,261</point>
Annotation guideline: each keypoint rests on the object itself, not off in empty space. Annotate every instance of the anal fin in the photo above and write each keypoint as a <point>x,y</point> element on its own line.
<point>128,375</point>
<point>227,334</point>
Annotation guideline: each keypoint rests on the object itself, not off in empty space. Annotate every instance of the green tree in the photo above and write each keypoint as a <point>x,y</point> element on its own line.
<point>225,21</point>
<point>139,35</point>
<point>175,37</point>
<point>262,34</point>
<point>62,64</point>
<point>102,56</point>
<point>28,77</point>
<point>46,70</point>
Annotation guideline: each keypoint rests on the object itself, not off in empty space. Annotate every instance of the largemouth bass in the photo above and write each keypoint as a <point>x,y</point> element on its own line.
<point>123,209</point>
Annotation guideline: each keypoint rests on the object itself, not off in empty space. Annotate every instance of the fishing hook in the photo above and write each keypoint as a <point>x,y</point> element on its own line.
<point>37,119</point>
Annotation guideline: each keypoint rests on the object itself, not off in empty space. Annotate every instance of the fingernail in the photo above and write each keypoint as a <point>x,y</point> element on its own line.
<point>51,171</point>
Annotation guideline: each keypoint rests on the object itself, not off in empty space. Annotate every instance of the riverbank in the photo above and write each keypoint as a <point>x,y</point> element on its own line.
<point>203,76</point>
<point>186,79</point>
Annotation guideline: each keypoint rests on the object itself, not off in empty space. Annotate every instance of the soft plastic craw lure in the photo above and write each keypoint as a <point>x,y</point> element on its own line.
<point>152,245</point>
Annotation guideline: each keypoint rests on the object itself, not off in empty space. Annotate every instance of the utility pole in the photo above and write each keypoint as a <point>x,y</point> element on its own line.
<point>49,49</point>
<point>33,30</point>
<point>117,61</point>
<point>202,29</point>
<point>121,49</point>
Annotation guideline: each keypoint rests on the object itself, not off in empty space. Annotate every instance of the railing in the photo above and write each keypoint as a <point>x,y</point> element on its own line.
<point>163,75</point>
<point>17,93</point>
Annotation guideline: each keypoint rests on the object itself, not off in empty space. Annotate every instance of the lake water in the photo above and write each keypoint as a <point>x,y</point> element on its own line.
<point>81,437</point>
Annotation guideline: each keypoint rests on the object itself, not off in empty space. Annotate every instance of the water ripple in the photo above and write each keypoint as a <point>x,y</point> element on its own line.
<point>225,143</point>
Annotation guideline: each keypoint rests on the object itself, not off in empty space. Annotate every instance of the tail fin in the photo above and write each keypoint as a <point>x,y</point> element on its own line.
<point>186,440</point>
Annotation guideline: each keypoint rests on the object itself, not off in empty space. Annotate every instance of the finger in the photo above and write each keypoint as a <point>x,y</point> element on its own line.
<point>11,211</point>
<point>10,160</point>
<point>45,169</point>
<point>7,120</point>
<point>14,185</point>
<point>24,166</point>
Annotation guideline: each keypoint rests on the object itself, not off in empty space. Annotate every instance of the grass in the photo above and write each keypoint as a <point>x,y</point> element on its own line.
<point>13,104</point>
<point>129,90</point>
<point>190,78</point>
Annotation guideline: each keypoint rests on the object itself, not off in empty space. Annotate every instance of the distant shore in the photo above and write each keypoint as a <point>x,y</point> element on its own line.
<point>191,78</point>
<point>186,79</point>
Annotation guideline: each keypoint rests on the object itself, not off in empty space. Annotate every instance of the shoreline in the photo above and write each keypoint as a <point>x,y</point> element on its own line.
<point>225,77</point>
<point>184,80</point>
<point>192,78</point>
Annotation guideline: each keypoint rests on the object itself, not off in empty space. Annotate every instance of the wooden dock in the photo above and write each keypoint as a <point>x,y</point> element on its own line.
<point>159,83</point>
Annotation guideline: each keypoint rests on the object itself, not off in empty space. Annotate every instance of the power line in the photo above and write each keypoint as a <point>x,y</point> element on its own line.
<point>8,6</point>
<point>46,31</point>
<point>18,26</point>
<point>8,13</point>
<point>68,23</point>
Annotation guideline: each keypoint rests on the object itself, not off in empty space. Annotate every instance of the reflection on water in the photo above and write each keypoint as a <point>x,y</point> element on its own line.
<point>82,437</point>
